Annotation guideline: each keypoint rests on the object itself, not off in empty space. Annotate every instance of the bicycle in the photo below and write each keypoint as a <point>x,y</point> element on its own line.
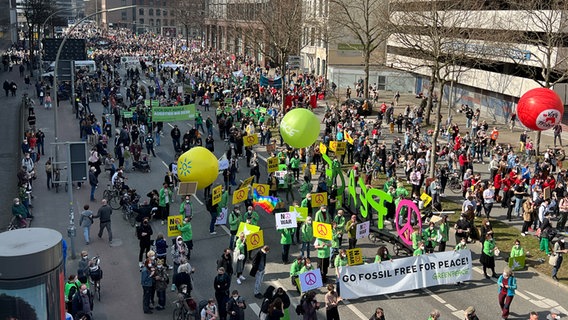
<point>17,223</point>
<point>113,197</point>
<point>96,274</point>
<point>455,183</point>
<point>185,310</point>
<point>128,207</point>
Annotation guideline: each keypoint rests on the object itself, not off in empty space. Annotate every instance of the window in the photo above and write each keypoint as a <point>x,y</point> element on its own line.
<point>158,22</point>
<point>141,21</point>
<point>150,12</point>
<point>151,22</point>
<point>141,11</point>
<point>165,13</point>
<point>158,12</point>
<point>123,15</point>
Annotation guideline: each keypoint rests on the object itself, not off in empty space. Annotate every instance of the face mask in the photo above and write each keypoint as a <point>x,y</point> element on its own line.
<point>235,297</point>
<point>145,223</point>
<point>487,223</point>
<point>461,218</point>
<point>421,248</point>
<point>153,258</point>
<point>309,265</point>
<point>149,265</point>
<point>323,210</point>
<point>517,246</point>
<point>505,275</point>
<point>186,201</point>
<point>84,291</point>
<point>85,257</point>
<point>160,267</point>
<point>184,291</point>
<point>180,241</point>
<point>431,228</point>
<point>562,240</point>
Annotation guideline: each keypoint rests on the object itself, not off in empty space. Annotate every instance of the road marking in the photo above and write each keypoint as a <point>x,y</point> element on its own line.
<point>165,164</point>
<point>522,295</point>
<point>224,227</point>
<point>435,296</point>
<point>452,308</point>
<point>254,307</point>
<point>169,124</point>
<point>459,314</point>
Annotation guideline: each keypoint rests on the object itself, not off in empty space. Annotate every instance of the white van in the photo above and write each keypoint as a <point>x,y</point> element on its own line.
<point>90,65</point>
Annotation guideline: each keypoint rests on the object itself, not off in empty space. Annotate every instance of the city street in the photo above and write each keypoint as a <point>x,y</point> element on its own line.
<point>121,289</point>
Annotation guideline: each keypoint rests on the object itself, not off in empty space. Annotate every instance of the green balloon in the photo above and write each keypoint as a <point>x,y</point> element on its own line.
<point>300,128</point>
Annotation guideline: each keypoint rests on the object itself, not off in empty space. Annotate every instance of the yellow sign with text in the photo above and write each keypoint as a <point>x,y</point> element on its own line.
<point>322,230</point>
<point>319,199</point>
<point>354,257</point>
<point>262,189</point>
<point>272,164</point>
<point>341,148</point>
<point>240,195</point>
<point>173,221</point>
<point>250,140</point>
<point>323,148</point>
<point>255,240</point>
<point>217,194</point>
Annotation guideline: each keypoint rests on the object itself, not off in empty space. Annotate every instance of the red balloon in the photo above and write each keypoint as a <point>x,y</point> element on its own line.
<point>540,109</point>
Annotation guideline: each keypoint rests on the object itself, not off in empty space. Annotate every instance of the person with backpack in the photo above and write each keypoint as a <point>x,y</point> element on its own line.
<point>308,306</point>
<point>83,303</point>
<point>222,284</point>
<point>266,301</point>
<point>71,287</point>
<point>210,311</point>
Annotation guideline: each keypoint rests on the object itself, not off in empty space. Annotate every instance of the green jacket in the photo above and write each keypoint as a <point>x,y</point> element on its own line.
<point>428,235</point>
<point>186,231</point>
<point>286,235</point>
<point>444,231</point>
<point>336,235</point>
<point>325,251</point>
<point>240,246</point>
<point>224,201</point>
<point>307,232</point>
<point>305,188</point>
<point>254,217</point>
<point>306,269</point>
<point>320,217</point>
<point>401,191</point>
<point>415,237</point>
<point>340,262</point>
<point>517,252</point>
<point>488,246</point>
<point>378,258</point>
<point>288,180</point>
<point>340,220</point>
<point>234,221</point>
<point>296,267</point>
<point>295,163</point>
<point>163,193</point>
<point>418,252</point>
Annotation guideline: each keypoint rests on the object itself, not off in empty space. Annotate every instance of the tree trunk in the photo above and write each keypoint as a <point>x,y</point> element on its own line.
<point>435,134</point>
<point>429,104</point>
<point>187,37</point>
<point>537,142</point>
<point>366,83</point>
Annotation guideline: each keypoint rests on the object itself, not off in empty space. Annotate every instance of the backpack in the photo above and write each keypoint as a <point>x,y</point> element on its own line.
<point>300,307</point>
<point>202,304</point>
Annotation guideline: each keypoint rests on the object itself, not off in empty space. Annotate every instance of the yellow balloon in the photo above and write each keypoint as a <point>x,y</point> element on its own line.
<point>198,164</point>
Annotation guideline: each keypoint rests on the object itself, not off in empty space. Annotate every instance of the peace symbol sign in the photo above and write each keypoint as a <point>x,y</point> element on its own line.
<point>251,139</point>
<point>254,239</point>
<point>221,216</point>
<point>319,198</point>
<point>322,230</point>
<point>405,231</point>
<point>241,194</point>
<point>260,189</point>
<point>310,278</point>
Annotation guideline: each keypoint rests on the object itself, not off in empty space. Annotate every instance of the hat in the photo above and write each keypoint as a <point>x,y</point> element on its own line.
<point>554,311</point>
<point>470,310</point>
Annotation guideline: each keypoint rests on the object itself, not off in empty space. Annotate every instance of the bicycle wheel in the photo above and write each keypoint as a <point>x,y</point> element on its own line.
<point>107,195</point>
<point>125,213</point>
<point>131,218</point>
<point>114,202</point>
<point>178,314</point>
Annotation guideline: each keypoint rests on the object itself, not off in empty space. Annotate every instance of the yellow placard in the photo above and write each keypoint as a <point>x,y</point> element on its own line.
<point>322,230</point>
<point>333,145</point>
<point>240,195</point>
<point>313,169</point>
<point>250,140</point>
<point>341,148</point>
<point>272,164</point>
<point>247,228</point>
<point>262,189</point>
<point>323,148</point>
<point>247,182</point>
<point>255,240</point>
<point>426,198</point>
<point>319,199</point>
<point>173,221</point>
<point>301,212</point>
<point>217,194</point>
<point>354,256</point>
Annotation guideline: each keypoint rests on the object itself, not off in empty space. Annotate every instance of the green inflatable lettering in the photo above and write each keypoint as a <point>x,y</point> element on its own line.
<point>380,204</point>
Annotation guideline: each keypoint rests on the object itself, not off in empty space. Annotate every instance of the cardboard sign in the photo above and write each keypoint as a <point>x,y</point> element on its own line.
<point>285,220</point>
<point>322,230</point>
<point>272,164</point>
<point>186,188</point>
<point>319,199</point>
<point>247,228</point>
<point>222,217</point>
<point>270,148</point>
<point>240,195</point>
<point>354,257</point>
<point>262,189</point>
<point>426,198</point>
<point>310,280</point>
<point>300,212</point>
<point>323,148</point>
<point>363,230</point>
<point>255,240</point>
<point>517,263</point>
<point>217,194</point>
<point>173,221</point>
<point>247,182</point>
<point>250,140</point>
<point>341,148</point>
<point>546,193</point>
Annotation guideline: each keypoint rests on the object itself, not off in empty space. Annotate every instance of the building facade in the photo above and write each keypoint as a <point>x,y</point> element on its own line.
<point>8,24</point>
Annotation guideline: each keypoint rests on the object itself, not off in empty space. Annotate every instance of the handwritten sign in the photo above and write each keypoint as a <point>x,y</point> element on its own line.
<point>222,217</point>
<point>217,193</point>
<point>173,221</point>
<point>354,257</point>
<point>272,164</point>
<point>340,147</point>
<point>363,230</point>
<point>285,220</point>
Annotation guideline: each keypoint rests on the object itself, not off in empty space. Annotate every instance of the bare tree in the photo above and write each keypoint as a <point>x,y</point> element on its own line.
<point>546,24</point>
<point>191,15</point>
<point>429,38</point>
<point>36,12</point>
<point>365,21</point>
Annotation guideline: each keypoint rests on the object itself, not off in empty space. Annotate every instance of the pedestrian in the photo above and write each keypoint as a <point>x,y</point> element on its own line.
<point>240,256</point>
<point>323,247</point>
<point>258,269</point>
<point>275,310</point>
<point>104,215</point>
<point>554,314</point>
<point>226,261</point>
<point>85,222</point>
<point>83,303</point>
<point>434,315</point>
<point>444,232</point>
<point>470,314</point>
<point>222,285</point>
<point>558,253</point>
<point>310,306</point>
<point>557,134</point>
<point>281,294</point>
<point>147,281</point>
<point>183,279</point>
<point>144,234</point>
<point>186,207</point>
<point>307,236</point>
<point>234,221</point>
<point>351,229</point>
<point>93,182</point>
<point>161,279</point>
<point>236,306</point>
<point>378,315</point>
<point>164,204</point>
<point>212,209</point>
<point>507,285</point>
<point>286,240</point>
<point>533,315</point>
<point>179,256</point>
<point>266,301</point>
<point>488,255</point>
<point>210,311</point>
<point>149,141</point>
<point>187,235</point>
<point>332,299</point>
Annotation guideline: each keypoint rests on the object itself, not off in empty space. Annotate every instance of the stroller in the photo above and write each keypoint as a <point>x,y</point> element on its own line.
<point>143,164</point>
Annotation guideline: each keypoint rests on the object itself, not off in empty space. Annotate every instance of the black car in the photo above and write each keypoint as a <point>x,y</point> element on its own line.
<point>364,106</point>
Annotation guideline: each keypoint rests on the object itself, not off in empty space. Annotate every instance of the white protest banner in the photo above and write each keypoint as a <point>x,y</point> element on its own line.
<point>363,230</point>
<point>405,274</point>
<point>223,162</point>
<point>285,220</point>
<point>310,280</point>
<point>222,217</point>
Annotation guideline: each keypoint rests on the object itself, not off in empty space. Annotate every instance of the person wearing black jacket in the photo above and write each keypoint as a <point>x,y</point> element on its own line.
<point>226,261</point>
<point>144,233</point>
<point>222,284</point>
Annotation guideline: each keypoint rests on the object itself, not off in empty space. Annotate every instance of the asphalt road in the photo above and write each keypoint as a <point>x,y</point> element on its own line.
<point>122,293</point>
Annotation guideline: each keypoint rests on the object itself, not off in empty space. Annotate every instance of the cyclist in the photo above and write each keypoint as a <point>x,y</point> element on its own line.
<point>118,180</point>
<point>21,213</point>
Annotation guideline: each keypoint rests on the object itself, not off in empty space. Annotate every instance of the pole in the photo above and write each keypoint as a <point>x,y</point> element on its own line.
<point>71,231</point>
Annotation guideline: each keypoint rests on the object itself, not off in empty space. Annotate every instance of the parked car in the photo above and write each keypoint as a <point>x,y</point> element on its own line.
<point>364,106</point>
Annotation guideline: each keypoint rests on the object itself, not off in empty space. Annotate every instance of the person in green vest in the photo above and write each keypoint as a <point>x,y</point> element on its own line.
<point>306,188</point>
<point>421,250</point>
<point>166,197</point>
<point>322,215</point>
<point>234,221</point>
<point>307,266</point>
<point>429,236</point>
<point>444,231</point>
<point>324,252</point>
<point>306,236</point>
<point>251,216</point>
<point>339,262</point>
<point>351,229</point>
<point>517,250</point>
<point>488,255</point>
<point>462,245</point>
<point>186,235</point>
<point>282,156</point>
<point>295,166</point>
<point>71,287</point>
<point>295,269</point>
<point>286,241</point>
<point>335,169</point>
<point>390,182</point>
<point>186,208</point>
<point>340,220</point>
<point>288,185</point>
<point>401,190</point>
<point>335,242</point>
<point>415,236</point>
<point>307,203</point>
<point>382,255</point>
<point>199,122</point>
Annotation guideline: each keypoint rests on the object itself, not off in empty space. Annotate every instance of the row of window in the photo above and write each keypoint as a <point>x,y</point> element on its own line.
<point>163,3</point>
<point>159,12</point>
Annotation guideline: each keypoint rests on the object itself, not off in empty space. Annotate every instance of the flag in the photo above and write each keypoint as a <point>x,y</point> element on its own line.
<point>348,137</point>
<point>267,203</point>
